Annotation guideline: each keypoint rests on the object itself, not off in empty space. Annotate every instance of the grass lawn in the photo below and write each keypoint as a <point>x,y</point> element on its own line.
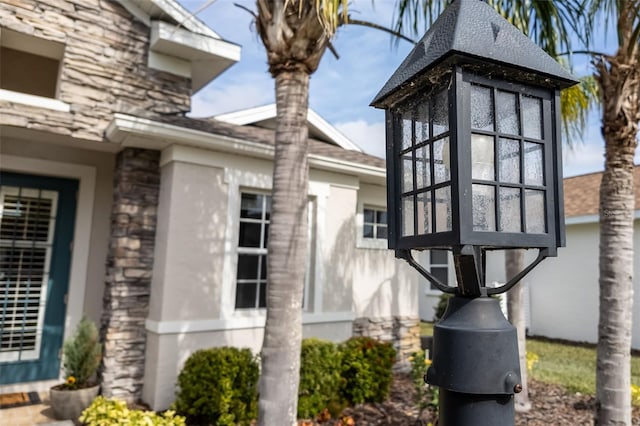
<point>572,366</point>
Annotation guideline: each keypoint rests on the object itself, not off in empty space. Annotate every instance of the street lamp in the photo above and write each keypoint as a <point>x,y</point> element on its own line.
<point>474,164</point>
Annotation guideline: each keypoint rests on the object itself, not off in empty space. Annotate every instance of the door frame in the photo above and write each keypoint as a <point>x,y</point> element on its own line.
<point>86,175</point>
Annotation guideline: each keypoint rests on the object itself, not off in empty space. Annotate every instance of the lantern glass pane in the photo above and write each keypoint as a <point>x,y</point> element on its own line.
<point>407,136</point>
<point>535,213</point>
<point>509,160</point>
<point>423,169</point>
<point>532,117</point>
<point>441,113</point>
<point>481,108</point>
<point>509,205</point>
<point>407,172</point>
<point>482,157</point>
<point>507,111</point>
<point>443,209</point>
<point>407,216</point>
<point>484,207</point>
<point>422,123</point>
<point>533,164</point>
<point>424,213</point>
<point>441,156</point>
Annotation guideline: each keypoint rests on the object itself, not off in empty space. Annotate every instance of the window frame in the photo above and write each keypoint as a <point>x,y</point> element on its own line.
<point>375,224</point>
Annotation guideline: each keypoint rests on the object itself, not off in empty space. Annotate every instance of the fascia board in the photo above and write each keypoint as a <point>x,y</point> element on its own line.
<point>248,116</point>
<point>331,132</point>
<point>130,131</point>
<point>145,10</point>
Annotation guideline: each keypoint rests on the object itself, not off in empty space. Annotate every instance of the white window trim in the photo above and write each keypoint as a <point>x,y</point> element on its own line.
<point>425,258</point>
<point>34,101</point>
<point>259,180</point>
<point>361,241</point>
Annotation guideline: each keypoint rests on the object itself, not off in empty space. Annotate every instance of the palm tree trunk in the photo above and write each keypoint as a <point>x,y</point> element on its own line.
<point>619,81</point>
<point>514,263</point>
<point>287,252</point>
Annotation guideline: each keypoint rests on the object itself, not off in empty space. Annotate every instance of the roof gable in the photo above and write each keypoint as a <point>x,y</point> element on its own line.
<point>265,117</point>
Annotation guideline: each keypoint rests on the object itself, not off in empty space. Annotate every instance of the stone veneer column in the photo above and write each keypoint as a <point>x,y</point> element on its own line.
<point>129,266</point>
<point>403,332</point>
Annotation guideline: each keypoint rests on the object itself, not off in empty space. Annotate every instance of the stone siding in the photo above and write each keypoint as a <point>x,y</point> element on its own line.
<point>129,268</point>
<point>403,332</point>
<point>104,69</point>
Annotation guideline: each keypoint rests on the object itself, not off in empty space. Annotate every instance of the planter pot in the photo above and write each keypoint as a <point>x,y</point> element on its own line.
<point>69,404</point>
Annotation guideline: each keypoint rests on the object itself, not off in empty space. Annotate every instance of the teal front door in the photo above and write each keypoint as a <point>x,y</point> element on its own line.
<point>37,216</point>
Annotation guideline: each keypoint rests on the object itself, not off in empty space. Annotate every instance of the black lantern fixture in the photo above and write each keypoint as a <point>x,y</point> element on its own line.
<point>474,164</point>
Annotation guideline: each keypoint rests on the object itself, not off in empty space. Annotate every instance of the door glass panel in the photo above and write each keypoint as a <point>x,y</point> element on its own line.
<point>27,221</point>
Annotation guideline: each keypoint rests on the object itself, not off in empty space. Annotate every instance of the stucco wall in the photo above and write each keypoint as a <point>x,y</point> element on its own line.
<point>192,212</point>
<point>104,68</point>
<point>564,290</point>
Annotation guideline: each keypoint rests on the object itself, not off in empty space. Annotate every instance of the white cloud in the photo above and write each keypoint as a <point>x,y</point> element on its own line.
<point>584,158</point>
<point>368,136</point>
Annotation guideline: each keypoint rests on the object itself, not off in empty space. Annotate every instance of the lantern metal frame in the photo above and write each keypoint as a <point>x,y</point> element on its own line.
<point>458,87</point>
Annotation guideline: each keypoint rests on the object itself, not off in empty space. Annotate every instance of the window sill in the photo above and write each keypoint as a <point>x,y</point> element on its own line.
<point>372,243</point>
<point>33,100</point>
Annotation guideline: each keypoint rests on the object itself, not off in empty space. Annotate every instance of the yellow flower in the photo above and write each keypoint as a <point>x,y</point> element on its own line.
<point>635,395</point>
<point>410,359</point>
<point>71,380</point>
<point>427,361</point>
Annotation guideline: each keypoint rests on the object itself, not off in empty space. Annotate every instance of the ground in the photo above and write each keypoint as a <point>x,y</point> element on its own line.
<point>551,406</point>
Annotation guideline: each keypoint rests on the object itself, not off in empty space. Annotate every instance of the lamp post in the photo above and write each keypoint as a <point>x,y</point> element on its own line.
<point>474,164</point>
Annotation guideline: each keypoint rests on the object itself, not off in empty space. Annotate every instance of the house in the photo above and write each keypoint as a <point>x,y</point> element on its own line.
<point>117,206</point>
<point>561,294</point>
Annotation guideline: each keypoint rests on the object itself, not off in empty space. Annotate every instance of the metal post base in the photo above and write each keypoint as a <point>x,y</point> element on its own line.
<point>459,409</point>
<point>475,364</point>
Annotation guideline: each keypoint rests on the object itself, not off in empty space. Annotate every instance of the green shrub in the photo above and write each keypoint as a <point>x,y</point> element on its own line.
<point>319,378</point>
<point>218,386</point>
<point>104,411</point>
<point>366,370</point>
<point>82,354</point>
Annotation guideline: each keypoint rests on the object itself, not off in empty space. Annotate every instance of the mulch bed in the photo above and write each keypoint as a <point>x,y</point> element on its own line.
<point>551,405</point>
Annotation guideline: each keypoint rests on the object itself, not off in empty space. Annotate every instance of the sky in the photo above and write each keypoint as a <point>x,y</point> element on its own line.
<point>341,89</point>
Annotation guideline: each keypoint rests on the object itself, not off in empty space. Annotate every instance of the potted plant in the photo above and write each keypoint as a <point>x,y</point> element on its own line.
<point>81,357</point>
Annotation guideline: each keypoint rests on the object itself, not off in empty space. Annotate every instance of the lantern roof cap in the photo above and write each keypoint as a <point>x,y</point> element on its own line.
<point>473,29</point>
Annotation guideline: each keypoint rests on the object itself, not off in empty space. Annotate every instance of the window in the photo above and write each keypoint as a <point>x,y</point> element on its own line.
<point>374,223</point>
<point>439,266</point>
<point>251,288</point>
<point>29,64</point>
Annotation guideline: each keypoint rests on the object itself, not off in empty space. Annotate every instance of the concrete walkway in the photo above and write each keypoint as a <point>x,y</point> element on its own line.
<point>39,414</point>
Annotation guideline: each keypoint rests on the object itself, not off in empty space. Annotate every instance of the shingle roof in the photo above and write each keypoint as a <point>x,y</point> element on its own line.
<point>267,137</point>
<point>582,193</point>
